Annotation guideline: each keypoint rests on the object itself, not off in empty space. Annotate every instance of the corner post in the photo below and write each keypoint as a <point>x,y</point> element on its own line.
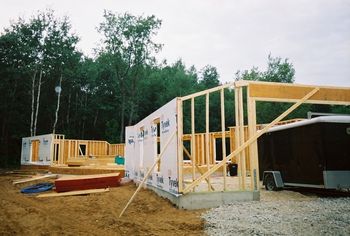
<point>180,143</point>
<point>253,147</point>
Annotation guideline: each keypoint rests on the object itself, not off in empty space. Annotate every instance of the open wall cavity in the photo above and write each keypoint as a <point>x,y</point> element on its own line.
<point>210,173</point>
<point>52,149</point>
<point>198,158</point>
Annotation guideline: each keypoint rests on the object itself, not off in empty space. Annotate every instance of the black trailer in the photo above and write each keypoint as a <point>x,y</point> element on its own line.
<point>309,153</point>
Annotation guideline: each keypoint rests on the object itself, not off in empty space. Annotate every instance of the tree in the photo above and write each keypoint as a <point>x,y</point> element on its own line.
<point>280,71</point>
<point>43,44</point>
<point>209,77</point>
<point>128,41</point>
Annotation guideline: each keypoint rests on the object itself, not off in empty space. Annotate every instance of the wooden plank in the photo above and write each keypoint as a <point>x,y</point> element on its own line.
<point>78,177</point>
<point>251,140</point>
<point>213,149</point>
<point>73,193</point>
<point>241,136</point>
<point>207,135</point>
<point>87,182</point>
<point>198,168</point>
<point>26,180</point>
<point>223,137</point>
<point>291,93</point>
<point>253,147</point>
<point>62,149</point>
<point>180,143</point>
<point>237,138</point>
<point>76,148</point>
<point>69,149</point>
<point>193,140</point>
<point>201,93</point>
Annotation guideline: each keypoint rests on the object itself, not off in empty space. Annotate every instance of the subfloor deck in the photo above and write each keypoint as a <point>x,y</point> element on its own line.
<point>87,170</point>
<point>217,182</point>
<point>77,170</point>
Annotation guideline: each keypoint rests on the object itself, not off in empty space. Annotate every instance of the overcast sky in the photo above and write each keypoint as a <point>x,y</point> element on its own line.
<point>230,35</point>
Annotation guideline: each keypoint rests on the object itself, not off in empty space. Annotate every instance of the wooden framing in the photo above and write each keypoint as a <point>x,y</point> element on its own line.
<point>90,149</point>
<point>243,138</point>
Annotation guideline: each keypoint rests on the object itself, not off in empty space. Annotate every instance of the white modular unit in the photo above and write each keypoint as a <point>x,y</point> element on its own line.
<point>142,148</point>
<point>37,150</point>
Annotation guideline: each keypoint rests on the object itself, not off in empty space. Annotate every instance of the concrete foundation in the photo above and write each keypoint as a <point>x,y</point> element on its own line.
<point>202,200</point>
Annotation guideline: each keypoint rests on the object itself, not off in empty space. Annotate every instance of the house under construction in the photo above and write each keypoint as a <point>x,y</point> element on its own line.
<point>55,151</point>
<point>190,168</point>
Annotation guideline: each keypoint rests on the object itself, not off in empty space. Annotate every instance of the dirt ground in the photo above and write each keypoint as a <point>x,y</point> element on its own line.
<point>95,214</point>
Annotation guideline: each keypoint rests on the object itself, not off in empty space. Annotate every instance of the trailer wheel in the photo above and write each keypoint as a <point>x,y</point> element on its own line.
<point>270,184</point>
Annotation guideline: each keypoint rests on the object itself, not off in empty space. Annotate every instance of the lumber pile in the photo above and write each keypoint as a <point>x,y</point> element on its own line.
<point>74,183</point>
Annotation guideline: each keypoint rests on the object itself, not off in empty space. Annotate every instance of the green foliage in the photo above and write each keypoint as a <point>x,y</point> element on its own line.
<point>280,71</point>
<point>119,87</point>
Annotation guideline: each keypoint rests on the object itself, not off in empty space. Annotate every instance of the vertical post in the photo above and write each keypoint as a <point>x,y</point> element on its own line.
<point>52,149</point>
<point>253,148</point>
<point>237,137</point>
<point>193,141</point>
<point>76,146</point>
<point>69,148</point>
<point>180,143</point>
<point>63,149</point>
<point>207,135</point>
<point>223,135</point>
<point>214,148</point>
<point>202,148</point>
<point>241,134</point>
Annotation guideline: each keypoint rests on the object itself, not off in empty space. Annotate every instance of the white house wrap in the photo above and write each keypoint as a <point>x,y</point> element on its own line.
<point>141,149</point>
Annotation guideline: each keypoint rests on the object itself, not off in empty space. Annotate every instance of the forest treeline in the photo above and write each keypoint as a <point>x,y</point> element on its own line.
<point>48,85</point>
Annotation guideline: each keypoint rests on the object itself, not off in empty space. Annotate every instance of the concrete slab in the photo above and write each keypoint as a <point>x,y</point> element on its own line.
<point>203,200</point>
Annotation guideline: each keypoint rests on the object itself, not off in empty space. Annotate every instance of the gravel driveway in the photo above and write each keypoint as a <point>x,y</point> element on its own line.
<point>281,213</point>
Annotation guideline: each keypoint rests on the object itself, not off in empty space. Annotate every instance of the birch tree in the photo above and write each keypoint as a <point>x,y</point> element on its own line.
<point>45,43</point>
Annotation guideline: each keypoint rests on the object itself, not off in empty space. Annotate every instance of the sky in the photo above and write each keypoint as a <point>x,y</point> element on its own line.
<point>231,35</point>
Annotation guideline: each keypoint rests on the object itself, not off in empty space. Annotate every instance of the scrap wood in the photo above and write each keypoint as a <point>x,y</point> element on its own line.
<point>73,193</point>
<point>53,176</point>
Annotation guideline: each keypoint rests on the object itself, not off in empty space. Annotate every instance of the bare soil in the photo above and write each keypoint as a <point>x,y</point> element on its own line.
<point>95,214</point>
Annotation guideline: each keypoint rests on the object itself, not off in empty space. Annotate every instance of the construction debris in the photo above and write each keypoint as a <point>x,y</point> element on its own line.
<point>26,180</point>
<point>73,193</point>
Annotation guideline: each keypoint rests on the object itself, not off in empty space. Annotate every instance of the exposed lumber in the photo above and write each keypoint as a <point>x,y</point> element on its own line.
<point>69,177</point>
<point>253,148</point>
<point>26,180</point>
<point>237,138</point>
<point>223,137</point>
<point>148,173</point>
<point>73,193</point>
<point>179,142</point>
<point>73,183</point>
<point>184,98</point>
<point>81,152</point>
<point>241,136</point>
<point>207,154</point>
<point>251,140</point>
<point>193,140</point>
<point>198,168</point>
<point>290,93</point>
